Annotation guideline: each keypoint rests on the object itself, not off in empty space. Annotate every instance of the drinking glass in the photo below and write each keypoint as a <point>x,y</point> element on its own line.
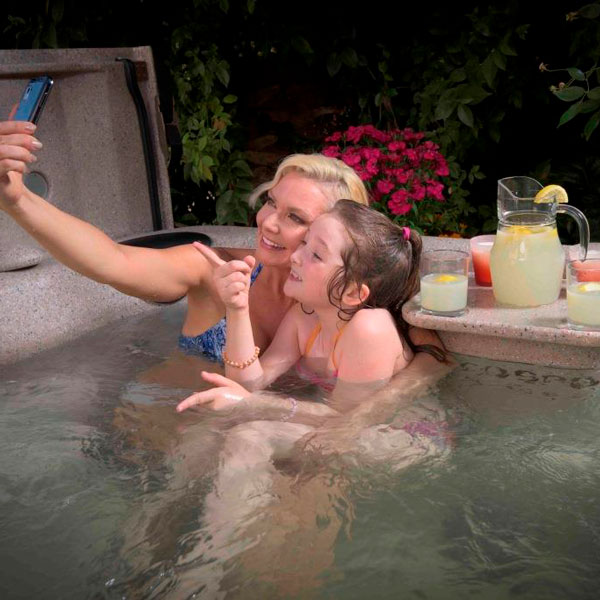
<point>481,246</point>
<point>583,294</point>
<point>444,282</point>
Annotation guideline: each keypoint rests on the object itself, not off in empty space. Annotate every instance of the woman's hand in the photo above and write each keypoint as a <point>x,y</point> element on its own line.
<point>226,394</point>
<point>17,145</point>
<point>232,279</point>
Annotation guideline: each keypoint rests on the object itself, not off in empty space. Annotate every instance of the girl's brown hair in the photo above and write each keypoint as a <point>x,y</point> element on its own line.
<point>383,256</point>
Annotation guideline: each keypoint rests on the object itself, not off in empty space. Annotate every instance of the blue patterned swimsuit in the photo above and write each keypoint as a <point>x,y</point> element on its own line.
<point>211,342</point>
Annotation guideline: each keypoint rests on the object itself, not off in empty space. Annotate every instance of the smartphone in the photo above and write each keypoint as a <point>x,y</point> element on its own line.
<point>33,99</point>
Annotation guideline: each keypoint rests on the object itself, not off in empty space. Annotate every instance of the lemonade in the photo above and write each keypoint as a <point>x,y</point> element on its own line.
<point>527,261</point>
<point>583,294</point>
<point>444,293</point>
<point>583,304</point>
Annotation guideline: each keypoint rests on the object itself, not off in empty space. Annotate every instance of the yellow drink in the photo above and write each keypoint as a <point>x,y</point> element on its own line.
<point>444,293</point>
<point>583,304</point>
<point>527,263</point>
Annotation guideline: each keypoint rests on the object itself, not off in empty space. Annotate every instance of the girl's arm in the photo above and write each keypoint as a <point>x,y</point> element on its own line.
<point>282,353</point>
<point>158,275</point>
<point>232,282</point>
<point>227,394</point>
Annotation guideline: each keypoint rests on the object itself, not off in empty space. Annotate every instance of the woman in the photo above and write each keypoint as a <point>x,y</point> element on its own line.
<point>304,186</point>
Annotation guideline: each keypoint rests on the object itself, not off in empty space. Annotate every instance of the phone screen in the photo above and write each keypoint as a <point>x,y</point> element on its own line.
<point>33,99</point>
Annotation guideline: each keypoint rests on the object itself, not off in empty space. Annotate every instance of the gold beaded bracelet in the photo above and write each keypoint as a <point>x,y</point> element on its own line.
<point>241,365</point>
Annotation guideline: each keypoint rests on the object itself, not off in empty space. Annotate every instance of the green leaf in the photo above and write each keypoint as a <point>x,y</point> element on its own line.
<point>251,5</point>
<point>458,75</point>
<point>349,57</point>
<point>58,10</point>
<point>499,60</point>
<point>517,99</point>
<point>591,125</point>
<point>465,115</point>
<point>506,48</point>
<point>230,99</point>
<point>489,70</point>
<point>471,94</point>
<point>589,11</point>
<point>50,36</point>
<point>594,94</point>
<point>444,109</point>
<point>201,143</point>
<point>588,106</point>
<point>334,64</point>
<point>241,168</point>
<point>222,73</point>
<point>301,45</point>
<point>568,94</point>
<point>569,114</point>
<point>576,73</point>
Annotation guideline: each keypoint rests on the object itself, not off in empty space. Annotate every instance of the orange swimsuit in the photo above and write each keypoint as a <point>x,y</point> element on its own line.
<point>327,383</point>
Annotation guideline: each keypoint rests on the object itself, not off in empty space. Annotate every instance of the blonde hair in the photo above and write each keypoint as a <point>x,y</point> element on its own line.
<point>341,180</point>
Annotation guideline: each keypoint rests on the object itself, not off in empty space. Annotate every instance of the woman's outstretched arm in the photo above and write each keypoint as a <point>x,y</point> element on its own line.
<point>159,275</point>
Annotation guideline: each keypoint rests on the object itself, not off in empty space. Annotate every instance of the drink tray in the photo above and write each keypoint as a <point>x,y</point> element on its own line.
<point>537,335</point>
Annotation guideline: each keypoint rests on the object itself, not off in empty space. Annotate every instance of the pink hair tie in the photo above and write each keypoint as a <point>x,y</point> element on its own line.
<point>406,233</point>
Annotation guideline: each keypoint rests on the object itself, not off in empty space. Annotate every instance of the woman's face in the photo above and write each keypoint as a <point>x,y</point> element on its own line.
<point>291,206</point>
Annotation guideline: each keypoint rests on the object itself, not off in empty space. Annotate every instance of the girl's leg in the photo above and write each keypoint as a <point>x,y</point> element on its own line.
<point>234,510</point>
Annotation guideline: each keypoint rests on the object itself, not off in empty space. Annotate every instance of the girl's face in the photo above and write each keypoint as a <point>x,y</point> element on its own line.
<point>316,260</point>
<point>291,206</point>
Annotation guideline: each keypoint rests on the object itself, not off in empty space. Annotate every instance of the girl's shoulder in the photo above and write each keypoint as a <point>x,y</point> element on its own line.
<point>368,322</point>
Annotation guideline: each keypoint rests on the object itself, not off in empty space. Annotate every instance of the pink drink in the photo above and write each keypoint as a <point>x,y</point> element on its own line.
<point>481,247</point>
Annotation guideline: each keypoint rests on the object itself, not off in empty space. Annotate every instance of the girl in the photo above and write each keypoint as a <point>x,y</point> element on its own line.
<point>350,276</point>
<point>280,485</point>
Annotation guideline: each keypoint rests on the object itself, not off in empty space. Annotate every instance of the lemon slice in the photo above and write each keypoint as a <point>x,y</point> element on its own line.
<point>589,287</point>
<point>551,193</point>
<point>445,278</point>
<point>519,230</point>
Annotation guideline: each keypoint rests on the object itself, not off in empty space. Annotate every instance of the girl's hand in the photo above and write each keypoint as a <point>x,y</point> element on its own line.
<point>232,279</point>
<point>17,145</point>
<point>226,394</point>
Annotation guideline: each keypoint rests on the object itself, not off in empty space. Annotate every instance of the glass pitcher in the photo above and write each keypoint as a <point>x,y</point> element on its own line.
<point>527,259</point>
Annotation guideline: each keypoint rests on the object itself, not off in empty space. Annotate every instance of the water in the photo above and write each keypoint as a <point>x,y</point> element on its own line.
<point>106,492</point>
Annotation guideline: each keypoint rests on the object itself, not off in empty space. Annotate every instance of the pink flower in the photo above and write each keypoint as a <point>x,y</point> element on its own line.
<point>354,134</point>
<point>384,186</point>
<point>334,137</point>
<point>400,196</point>
<point>403,176</point>
<point>442,169</point>
<point>372,167</point>
<point>351,158</point>
<point>399,167</point>
<point>435,189</point>
<point>398,208</point>
<point>397,145</point>
<point>418,191</point>
<point>332,151</point>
